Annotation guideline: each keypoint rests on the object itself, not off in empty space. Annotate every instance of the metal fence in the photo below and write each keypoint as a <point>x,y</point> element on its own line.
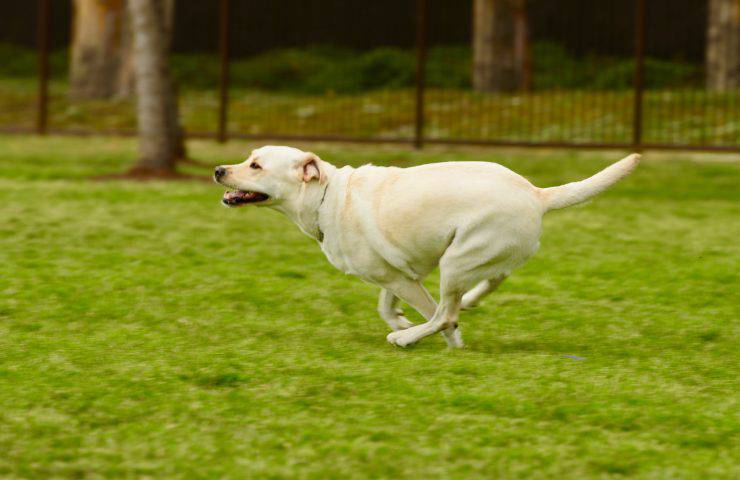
<point>598,74</point>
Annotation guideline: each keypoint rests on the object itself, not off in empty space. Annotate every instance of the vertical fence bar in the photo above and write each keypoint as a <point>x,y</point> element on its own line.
<point>421,56</point>
<point>639,84</point>
<point>42,100</point>
<point>223,50</point>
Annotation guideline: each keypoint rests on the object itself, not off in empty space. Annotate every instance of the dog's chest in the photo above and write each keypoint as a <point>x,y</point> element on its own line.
<point>338,256</point>
<point>347,249</point>
<point>352,242</point>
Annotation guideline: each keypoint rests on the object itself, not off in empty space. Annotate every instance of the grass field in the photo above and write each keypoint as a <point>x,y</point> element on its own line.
<point>147,332</point>
<point>692,117</point>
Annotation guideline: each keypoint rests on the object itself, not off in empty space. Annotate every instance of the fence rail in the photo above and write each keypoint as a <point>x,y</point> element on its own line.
<point>634,116</point>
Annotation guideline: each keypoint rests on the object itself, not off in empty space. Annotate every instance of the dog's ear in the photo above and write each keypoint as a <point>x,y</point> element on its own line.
<point>311,168</point>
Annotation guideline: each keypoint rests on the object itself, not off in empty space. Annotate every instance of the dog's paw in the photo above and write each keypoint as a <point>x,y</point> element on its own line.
<point>402,323</point>
<point>399,338</point>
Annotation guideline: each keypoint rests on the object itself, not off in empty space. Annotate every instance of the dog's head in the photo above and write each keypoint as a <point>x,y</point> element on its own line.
<point>270,176</point>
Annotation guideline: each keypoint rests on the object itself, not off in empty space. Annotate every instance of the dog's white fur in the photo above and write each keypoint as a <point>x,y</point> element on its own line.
<point>392,226</point>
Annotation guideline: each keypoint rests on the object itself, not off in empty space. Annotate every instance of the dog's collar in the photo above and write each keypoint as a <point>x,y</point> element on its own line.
<point>320,233</point>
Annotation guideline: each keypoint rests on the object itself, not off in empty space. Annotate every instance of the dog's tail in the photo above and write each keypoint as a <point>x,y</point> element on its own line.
<point>577,192</point>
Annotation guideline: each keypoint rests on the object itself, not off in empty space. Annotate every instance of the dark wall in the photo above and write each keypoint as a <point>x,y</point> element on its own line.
<point>18,22</point>
<point>675,27</point>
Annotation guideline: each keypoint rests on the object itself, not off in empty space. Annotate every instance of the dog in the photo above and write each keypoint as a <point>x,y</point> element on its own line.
<point>392,226</point>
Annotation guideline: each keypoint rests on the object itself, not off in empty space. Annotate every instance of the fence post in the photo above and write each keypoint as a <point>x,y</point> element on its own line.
<point>639,80</point>
<point>421,54</point>
<point>223,50</point>
<point>42,37</point>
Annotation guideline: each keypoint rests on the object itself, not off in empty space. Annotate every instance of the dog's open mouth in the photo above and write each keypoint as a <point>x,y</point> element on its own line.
<point>237,198</point>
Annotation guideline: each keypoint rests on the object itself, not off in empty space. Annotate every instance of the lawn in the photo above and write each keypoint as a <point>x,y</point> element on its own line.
<point>677,116</point>
<point>147,332</point>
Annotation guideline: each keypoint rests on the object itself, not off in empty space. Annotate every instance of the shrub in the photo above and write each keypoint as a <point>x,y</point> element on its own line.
<point>19,62</point>
<point>322,69</point>
<point>449,66</point>
<point>385,68</point>
<point>196,70</point>
<point>657,74</point>
<point>554,67</point>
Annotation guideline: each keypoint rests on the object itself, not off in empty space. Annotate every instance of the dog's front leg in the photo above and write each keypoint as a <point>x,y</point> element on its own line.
<point>444,320</point>
<point>387,309</point>
<point>413,293</point>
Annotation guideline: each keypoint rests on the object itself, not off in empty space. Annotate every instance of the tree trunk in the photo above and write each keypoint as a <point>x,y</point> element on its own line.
<point>500,45</point>
<point>100,64</point>
<point>154,87</point>
<point>723,45</point>
<point>179,151</point>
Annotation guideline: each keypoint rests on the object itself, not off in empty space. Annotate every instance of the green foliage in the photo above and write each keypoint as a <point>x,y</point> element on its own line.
<point>569,115</point>
<point>18,62</point>
<point>325,69</point>
<point>15,62</point>
<point>292,70</point>
<point>385,68</point>
<point>196,70</point>
<point>555,67</point>
<point>329,69</point>
<point>317,70</point>
<point>449,66</point>
<point>658,74</point>
<point>147,332</point>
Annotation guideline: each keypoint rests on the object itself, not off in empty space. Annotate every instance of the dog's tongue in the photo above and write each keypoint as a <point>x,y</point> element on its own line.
<point>240,197</point>
<point>237,195</point>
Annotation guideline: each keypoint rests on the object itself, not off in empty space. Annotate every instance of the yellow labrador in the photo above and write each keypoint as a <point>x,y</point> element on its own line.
<point>392,226</point>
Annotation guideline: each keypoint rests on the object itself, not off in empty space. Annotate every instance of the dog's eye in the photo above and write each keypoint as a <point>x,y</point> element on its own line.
<point>254,165</point>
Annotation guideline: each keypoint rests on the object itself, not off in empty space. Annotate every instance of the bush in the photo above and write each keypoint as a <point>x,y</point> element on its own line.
<point>19,62</point>
<point>289,69</point>
<point>322,69</point>
<point>385,68</point>
<point>657,74</point>
<point>196,70</point>
<point>16,62</point>
<point>449,66</point>
<point>554,67</point>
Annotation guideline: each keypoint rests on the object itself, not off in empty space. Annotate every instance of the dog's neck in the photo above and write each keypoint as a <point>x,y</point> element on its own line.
<point>304,210</point>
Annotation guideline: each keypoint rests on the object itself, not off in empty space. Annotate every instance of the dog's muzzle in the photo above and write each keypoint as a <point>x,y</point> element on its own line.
<point>219,173</point>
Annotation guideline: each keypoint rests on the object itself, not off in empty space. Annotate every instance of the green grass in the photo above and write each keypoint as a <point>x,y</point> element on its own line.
<point>147,332</point>
<point>690,116</point>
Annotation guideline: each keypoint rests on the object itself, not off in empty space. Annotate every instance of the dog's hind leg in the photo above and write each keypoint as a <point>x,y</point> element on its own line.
<point>473,296</point>
<point>468,260</point>
<point>387,309</point>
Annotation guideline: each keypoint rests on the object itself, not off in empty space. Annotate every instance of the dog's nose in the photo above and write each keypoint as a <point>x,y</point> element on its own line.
<point>220,172</point>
